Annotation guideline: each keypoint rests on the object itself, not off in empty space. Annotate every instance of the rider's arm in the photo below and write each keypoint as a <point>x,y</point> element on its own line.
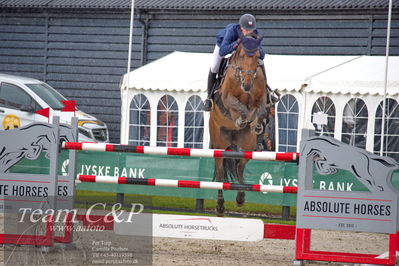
<point>261,52</point>
<point>229,42</point>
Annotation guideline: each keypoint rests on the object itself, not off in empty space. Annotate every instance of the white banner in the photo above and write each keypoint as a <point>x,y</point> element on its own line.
<point>193,227</point>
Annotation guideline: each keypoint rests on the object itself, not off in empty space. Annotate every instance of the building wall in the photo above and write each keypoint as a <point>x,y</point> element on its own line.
<point>83,53</point>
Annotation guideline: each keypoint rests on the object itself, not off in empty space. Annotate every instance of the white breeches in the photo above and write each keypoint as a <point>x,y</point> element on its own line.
<point>216,60</point>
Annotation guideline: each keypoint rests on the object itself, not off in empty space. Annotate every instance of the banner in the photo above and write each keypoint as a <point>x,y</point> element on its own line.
<point>190,168</point>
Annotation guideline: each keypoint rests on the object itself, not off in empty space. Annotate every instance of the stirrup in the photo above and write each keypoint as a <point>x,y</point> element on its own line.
<point>273,94</point>
<point>208,105</point>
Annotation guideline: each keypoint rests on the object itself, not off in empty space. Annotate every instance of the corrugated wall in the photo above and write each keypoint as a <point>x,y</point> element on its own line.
<point>378,38</point>
<point>81,55</point>
<point>87,55</point>
<point>84,54</point>
<point>22,44</point>
<point>309,35</point>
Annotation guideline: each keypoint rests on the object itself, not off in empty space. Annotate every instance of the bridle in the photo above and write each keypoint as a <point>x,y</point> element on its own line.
<point>238,75</point>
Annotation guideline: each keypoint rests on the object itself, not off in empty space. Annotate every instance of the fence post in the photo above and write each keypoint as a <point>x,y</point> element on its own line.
<point>199,204</point>
<point>120,198</point>
<point>286,213</point>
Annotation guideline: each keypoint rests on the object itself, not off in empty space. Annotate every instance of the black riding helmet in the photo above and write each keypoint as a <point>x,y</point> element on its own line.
<point>248,22</point>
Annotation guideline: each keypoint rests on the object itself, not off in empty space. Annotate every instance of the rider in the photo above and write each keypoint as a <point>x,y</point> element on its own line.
<point>227,41</point>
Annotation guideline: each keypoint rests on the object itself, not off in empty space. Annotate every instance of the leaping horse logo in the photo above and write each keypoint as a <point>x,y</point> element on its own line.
<point>28,142</point>
<point>330,154</point>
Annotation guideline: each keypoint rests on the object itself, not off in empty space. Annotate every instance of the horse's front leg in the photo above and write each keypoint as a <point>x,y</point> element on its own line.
<point>234,105</point>
<point>260,116</point>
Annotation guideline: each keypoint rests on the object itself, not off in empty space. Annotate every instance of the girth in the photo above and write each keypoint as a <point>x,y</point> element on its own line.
<point>222,108</point>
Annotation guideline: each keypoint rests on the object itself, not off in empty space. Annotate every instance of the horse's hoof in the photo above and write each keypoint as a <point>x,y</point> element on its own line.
<point>241,123</point>
<point>258,129</point>
<point>219,211</point>
<point>259,147</point>
<point>240,199</point>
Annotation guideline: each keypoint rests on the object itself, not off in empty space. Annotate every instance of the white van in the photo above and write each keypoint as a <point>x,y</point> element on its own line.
<point>21,97</point>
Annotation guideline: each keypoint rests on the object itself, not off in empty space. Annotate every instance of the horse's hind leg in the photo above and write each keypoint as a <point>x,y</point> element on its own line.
<point>240,199</point>
<point>219,173</point>
<point>220,204</point>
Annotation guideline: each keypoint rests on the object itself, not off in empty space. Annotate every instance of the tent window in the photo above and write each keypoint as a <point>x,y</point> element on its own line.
<point>194,123</point>
<point>140,121</point>
<point>323,116</point>
<point>167,117</point>
<point>287,112</point>
<point>354,123</point>
<point>391,129</point>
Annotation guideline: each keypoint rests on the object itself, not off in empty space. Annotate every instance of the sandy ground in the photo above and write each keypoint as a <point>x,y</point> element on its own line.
<point>265,252</point>
<point>89,246</point>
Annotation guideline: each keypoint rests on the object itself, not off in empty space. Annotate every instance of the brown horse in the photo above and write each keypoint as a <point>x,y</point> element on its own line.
<point>236,118</point>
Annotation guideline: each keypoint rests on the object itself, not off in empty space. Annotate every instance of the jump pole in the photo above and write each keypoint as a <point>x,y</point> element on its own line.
<point>207,153</point>
<point>186,184</point>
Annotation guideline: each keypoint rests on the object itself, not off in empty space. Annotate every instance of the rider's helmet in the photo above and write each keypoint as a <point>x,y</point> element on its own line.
<point>248,22</point>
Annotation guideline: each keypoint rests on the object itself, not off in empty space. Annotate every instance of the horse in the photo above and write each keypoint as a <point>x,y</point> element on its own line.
<point>237,115</point>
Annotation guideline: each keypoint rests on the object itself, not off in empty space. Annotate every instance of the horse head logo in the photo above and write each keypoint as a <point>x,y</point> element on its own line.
<point>330,154</point>
<point>29,142</point>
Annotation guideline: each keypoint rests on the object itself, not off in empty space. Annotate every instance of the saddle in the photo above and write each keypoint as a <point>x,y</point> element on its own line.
<point>221,74</point>
<point>219,80</point>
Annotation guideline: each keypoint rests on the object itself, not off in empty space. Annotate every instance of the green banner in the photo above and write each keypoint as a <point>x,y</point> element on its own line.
<point>170,167</point>
<point>189,168</point>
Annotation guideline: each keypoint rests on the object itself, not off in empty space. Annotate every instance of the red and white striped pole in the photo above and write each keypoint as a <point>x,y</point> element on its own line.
<point>208,153</point>
<point>186,184</point>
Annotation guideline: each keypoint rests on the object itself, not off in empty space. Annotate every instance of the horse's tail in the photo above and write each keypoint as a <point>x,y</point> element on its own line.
<point>230,165</point>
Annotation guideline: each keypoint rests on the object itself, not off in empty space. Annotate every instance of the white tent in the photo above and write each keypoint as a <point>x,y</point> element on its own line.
<point>363,75</point>
<point>184,71</point>
<point>183,74</point>
<point>178,71</point>
<point>290,72</point>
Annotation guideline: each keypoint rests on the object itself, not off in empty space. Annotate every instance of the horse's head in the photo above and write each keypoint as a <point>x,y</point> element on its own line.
<point>246,60</point>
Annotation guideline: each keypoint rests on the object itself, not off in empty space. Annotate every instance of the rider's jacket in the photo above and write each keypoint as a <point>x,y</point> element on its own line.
<point>226,39</point>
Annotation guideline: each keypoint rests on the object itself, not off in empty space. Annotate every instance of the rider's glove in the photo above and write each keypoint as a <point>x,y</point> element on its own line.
<point>237,43</point>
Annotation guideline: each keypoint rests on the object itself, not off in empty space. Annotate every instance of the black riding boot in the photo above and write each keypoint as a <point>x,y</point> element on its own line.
<point>211,83</point>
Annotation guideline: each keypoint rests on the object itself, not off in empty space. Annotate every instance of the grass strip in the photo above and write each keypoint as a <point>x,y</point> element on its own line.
<point>187,204</point>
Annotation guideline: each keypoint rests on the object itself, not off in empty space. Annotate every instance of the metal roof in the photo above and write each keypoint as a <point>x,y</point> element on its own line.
<point>203,4</point>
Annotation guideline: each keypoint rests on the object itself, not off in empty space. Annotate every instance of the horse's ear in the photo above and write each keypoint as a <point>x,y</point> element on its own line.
<point>259,39</point>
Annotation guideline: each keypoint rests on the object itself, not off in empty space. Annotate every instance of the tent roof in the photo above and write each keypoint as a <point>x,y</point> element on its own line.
<point>290,72</point>
<point>184,71</point>
<point>178,71</point>
<point>364,75</point>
